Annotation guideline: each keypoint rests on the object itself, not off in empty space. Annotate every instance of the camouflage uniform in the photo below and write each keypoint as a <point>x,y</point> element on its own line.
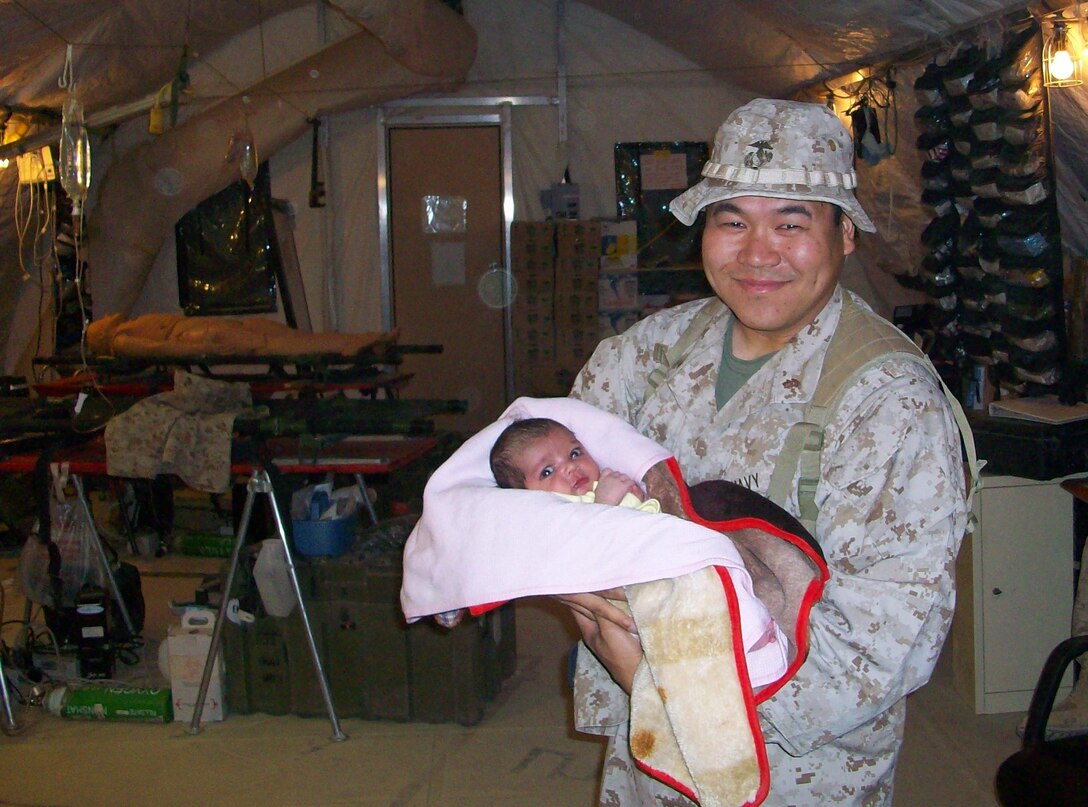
<point>892,513</point>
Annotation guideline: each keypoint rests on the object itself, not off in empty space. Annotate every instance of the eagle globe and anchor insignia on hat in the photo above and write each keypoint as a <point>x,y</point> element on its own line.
<point>782,149</point>
<point>759,153</point>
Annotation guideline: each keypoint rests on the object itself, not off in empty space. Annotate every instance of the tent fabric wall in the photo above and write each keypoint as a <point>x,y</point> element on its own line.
<point>1068,112</point>
<point>622,85</point>
<point>133,216</point>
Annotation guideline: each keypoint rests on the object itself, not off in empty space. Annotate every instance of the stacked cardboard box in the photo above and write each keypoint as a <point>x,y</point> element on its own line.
<point>577,283</point>
<point>617,286</point>
<point>577,264</point>
<point>532,249</point>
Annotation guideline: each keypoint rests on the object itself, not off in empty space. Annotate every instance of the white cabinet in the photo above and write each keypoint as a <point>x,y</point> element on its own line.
<point>1014,578</point>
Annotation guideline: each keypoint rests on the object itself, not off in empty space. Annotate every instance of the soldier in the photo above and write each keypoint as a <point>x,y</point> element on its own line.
<point>889,506</point>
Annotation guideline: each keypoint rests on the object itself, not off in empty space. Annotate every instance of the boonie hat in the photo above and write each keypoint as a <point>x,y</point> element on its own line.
<point>782,149</point>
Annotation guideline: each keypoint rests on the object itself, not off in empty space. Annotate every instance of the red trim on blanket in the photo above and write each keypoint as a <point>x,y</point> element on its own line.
<point>814,592</point>
<point>811,596</point>
<point>759,745</point>
<point>743,523</point>
<point>664,778</point>
<point>477,610</point>
<point>751,699</point>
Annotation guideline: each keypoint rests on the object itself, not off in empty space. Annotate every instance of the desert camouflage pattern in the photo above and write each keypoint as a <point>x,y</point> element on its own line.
<point>785,149</point>
<point>892,514</point>
<point>186,431</point>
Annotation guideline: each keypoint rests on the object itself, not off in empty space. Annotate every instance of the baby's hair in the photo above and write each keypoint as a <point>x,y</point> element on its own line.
<point>512,441</point>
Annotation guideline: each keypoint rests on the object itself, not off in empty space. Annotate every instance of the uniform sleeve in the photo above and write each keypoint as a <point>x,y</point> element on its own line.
<point>892,514</point>
<point>615,376</point>
<point>606,380</point>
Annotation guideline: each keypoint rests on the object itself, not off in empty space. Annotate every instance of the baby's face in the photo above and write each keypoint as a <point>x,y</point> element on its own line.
<point>558,463</point>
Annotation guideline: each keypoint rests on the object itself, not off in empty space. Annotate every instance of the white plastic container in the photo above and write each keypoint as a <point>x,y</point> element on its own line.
<point>187,647</point>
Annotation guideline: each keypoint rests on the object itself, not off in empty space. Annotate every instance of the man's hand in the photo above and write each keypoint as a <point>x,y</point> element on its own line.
<point>608,632</point>
<point>612,486</point>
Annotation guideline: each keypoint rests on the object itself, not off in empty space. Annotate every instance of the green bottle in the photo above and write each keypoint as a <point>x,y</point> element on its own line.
<point>112,703</point>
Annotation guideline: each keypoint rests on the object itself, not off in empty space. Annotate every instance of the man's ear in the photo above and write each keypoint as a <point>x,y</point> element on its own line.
<point>849,235</point>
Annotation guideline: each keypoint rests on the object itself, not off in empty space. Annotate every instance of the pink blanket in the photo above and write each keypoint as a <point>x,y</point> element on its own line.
<point>693,701</point>
<point>476,544</point>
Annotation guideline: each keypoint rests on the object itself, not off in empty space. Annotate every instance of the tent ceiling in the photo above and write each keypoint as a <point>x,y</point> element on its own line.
<point>775,48</point>
<point>127,49</point>
<point>124,51</point>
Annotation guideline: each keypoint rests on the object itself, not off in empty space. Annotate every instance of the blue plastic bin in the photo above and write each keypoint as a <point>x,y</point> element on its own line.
<point>332,536</point>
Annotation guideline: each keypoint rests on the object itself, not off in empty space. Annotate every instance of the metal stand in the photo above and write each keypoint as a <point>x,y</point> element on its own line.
<point>259,482</point>
<point>102,557</point>
<point>9,724</point>
<point>366,499</point>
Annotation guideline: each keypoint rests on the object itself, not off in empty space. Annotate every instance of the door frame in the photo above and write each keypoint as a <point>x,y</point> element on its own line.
<point>393,118</point>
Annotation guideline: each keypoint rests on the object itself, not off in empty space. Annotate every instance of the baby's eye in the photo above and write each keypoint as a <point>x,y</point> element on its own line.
<point>575,453</point>
<point>546,472</point>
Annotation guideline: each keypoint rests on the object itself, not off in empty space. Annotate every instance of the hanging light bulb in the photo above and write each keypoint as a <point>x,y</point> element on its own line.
<point>1060,68</point>
<point>75,154</point>
<point>5,116</point>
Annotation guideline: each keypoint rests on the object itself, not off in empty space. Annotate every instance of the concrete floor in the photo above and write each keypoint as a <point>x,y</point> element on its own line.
<point>522,753</point>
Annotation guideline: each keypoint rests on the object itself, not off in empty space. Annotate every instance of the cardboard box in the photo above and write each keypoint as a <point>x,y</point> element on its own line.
<point>188,645</point>
<point>619,245</point>
<point>534,339</point>
<point>578,239</point>
<point>540,267</point>
<point>584,285</point>
<point>613,323</point>
<point>543,379</point>
<point>535,284</point>
<point>532,239</point>
<point>576,274</point>
<point>617,291</point>
<point>574,307</point>
<point>572,354</point>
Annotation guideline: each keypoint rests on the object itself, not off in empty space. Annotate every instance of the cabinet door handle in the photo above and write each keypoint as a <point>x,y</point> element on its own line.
<point>997,592</point>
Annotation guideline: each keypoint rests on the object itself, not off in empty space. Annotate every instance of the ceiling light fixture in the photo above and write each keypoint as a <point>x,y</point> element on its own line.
<point>1061,63</point>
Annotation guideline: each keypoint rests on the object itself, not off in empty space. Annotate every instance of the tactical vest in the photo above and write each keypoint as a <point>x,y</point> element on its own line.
<point>861,341</point>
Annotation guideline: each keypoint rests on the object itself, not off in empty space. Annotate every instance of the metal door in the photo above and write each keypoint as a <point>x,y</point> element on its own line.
<point>447,237</point>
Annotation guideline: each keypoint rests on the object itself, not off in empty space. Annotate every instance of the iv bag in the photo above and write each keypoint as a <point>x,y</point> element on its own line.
<point>75,153</point>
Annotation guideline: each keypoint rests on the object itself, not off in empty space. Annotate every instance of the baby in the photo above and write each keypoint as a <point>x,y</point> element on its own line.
<point>543,454</point>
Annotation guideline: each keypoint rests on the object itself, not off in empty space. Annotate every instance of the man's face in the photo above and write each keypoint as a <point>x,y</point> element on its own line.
<point>558,463</point>
<point>775,263</point>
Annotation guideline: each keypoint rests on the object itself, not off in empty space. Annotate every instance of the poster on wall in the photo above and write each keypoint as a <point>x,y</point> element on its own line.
<point>649,175</point>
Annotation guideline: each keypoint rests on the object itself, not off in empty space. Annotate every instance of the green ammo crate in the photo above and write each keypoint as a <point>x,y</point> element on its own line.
<point>378,666</point>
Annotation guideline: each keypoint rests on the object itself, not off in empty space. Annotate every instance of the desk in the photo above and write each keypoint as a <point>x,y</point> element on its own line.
<point>358,456</point>
<point>365,455</point>
<point>261,386</point>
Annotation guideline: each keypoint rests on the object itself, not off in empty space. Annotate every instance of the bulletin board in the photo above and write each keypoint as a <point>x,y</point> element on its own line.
<point>649,175</point>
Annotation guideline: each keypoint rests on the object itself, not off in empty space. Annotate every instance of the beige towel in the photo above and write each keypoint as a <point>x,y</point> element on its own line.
<point>693,720</point>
